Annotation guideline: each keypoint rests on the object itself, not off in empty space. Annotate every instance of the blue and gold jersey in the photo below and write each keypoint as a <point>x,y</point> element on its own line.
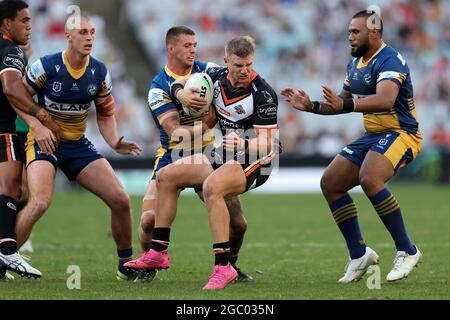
<point>362,79</point>
<point>66,93</point>
<point>161,103</point>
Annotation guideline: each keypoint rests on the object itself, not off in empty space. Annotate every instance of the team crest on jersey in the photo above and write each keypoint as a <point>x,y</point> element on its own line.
<point>239,109</point>
<point>57,86</point>
<point>368,78</point>
<point>92,89</point>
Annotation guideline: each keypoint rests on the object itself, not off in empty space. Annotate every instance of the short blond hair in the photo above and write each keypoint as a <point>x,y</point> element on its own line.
<point>242,46</point>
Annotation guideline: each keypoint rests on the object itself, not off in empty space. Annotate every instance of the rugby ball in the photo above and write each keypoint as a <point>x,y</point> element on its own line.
<point>205,86</point>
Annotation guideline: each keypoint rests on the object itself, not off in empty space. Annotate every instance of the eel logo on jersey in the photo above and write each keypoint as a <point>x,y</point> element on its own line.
<point>368,78</point>
<point>239,109</point>
<point>57,86</point>
<point>92,89</point>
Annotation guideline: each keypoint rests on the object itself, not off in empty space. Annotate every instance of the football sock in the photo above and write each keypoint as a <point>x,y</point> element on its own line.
<point>346,216</point>
<point>389,212</point>
<point>161,239</point>
<point>233,259</point>
<point>124,256</point>
<point>8,216</point>
<point>221,253</point>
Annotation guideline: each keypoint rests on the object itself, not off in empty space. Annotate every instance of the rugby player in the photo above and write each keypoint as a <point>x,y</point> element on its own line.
<point>66,83</point>
<point>246,108</point>
<point>15,30</point>
<point>378,84</point>
<point>172,123</point>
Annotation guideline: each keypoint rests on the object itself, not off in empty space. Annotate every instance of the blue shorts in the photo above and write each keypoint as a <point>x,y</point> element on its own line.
<point>399,147</point>
<point>163,158</point>
<point>70,156</point>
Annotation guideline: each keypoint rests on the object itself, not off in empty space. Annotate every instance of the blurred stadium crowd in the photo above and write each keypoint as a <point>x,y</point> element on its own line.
<point>300,43</point>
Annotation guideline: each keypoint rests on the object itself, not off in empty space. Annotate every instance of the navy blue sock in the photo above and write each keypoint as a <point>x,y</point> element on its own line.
<point>346,216</point>
<point>124,256</point>
<point>389,212</point>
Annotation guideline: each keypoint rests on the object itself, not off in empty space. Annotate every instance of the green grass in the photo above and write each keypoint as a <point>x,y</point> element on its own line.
<point>292,247</point>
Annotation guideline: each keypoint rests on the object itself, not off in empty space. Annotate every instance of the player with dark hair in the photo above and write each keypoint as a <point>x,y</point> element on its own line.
<point>66,83</point>
<point>15,30</point>
<point>246,107</point>
<point>172,122</point>
<point>378,84</point>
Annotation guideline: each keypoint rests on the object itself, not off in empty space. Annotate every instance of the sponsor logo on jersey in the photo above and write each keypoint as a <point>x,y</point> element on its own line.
<point>267,111</point>
<point>74,87</point>
<point>229,124</point>
<point>57,67</point>
<point>66,107</point>
<point>12,61</point>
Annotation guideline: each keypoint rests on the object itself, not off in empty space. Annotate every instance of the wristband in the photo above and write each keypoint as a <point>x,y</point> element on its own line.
<point>35,109</point>
<point>349,106</point>
<point>174,88</point>
<point>315,106</point>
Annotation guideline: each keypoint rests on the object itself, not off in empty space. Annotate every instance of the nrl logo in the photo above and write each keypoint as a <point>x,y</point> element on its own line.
<point>57,86</point>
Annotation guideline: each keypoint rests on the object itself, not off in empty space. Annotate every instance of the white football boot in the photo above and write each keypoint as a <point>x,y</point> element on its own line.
<point>16,263</point>
<point>356,268</point>
<point>27,246</point>
<point>403,265</point>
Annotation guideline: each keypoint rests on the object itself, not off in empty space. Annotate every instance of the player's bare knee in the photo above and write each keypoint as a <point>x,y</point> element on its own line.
<point>38,206</point>
<point>238,226</point>
<point>148,221</point>
<point>370,184</point>
<point>209,190</point>
<point>121,202</point>
<point>326,184</point>
<point>165,178</point>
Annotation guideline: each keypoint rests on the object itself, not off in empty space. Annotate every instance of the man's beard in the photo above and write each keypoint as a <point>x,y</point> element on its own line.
<point>360,51</point>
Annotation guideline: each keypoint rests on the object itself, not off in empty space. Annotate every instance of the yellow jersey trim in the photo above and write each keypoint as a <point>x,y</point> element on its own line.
<point>174,75</point>
<point>76,74</point>
<point>362,64</point>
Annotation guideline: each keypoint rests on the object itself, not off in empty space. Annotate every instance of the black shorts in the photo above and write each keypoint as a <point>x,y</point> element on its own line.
<point>10,148</point>
<point>22,136</point>
<point>256,172</point>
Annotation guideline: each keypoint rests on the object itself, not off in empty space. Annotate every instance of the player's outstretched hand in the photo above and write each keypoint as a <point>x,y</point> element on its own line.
<point>190,99</point>
<point>45,139</point>
<point>127,147</point>
<point>332,100</point>
<point>297,98</point>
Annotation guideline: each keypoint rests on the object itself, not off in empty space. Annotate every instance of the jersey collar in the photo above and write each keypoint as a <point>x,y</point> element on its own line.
<point>362,64</point>
<point>174,75</point>
<point>76,74</point>
<point>5,37</point>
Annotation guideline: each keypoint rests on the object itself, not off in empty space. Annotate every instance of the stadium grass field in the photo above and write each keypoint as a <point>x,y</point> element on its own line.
<point>292,248</point>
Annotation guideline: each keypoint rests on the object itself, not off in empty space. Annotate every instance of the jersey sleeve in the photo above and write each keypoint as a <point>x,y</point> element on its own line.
<point>215,72</point>
<point>36,75</point>
<point>266,109</point>
<point>346,85</point>
<point>106,89</point>
<point>393,68</point>
<point>160,101</point>
<point>14,60</point>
